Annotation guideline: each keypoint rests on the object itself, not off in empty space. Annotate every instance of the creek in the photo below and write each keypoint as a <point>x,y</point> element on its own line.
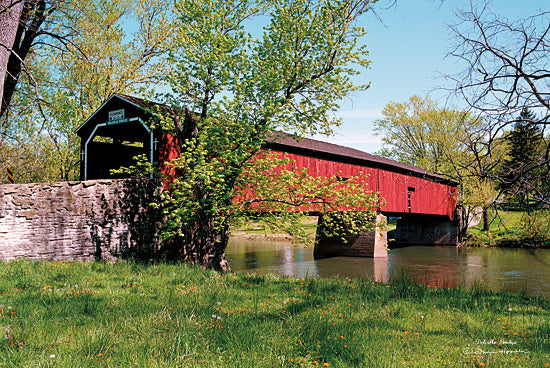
<point>516,270</point>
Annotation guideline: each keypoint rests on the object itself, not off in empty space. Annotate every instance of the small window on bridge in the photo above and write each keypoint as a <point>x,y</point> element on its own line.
<point>101,139</point>
<point>410,190</point>
<point>132,144</point>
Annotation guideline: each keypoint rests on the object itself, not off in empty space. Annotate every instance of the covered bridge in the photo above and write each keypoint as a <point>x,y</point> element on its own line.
<point>424,202</point>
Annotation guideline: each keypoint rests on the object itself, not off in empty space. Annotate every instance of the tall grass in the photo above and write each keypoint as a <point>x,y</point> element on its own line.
<point>62,314</point>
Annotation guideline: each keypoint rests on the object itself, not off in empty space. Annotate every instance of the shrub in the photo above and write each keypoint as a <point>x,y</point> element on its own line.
<point>536,226</point>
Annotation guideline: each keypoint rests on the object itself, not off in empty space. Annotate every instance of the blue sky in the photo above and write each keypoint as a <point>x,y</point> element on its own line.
<point>407,47</point>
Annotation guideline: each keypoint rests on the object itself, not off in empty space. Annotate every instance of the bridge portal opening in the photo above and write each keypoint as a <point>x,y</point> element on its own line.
<point>114,145</point>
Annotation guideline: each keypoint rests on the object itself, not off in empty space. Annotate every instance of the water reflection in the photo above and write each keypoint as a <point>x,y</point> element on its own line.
<point>509,269</point>
<point>265,257</point>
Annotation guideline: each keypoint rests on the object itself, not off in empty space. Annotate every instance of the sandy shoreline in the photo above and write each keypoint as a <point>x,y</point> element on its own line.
<point>260,237</point>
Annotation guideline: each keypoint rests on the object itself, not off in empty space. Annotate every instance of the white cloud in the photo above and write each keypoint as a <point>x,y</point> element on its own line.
<point>359,140</point>
<point>350,137</point>
<point>361,113</point>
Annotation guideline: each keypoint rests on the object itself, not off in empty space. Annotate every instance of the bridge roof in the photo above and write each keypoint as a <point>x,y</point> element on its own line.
<point>114,101</point>
<point>305,146</point>
<point>311,147</point>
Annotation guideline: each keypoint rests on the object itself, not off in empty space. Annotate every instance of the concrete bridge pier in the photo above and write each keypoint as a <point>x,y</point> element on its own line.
<point>368,244</point>
<point>416,229</point>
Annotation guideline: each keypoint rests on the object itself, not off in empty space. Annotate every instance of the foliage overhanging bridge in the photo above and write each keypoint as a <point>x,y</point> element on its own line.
<point>423,202</point>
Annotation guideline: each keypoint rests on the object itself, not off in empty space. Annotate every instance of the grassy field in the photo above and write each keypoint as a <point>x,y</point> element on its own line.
<point>507,229</point>
<point>127,315</point>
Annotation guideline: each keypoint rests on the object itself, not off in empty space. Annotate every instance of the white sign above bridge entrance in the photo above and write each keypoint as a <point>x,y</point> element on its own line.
<point>116,115</point>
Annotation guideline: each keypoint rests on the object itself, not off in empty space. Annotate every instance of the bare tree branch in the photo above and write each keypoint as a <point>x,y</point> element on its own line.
<point>507,63</point>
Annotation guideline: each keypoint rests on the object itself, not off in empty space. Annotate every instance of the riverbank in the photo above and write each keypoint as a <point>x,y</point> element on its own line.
<point>243,235</point>
<point>512,229</point>
<point>96,314</point>
<point>508,229</point>
<point>256,232</point>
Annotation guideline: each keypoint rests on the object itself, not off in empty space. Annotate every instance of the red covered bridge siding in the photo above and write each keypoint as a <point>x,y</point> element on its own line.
<point>406,189</point>
<point>425,202</point>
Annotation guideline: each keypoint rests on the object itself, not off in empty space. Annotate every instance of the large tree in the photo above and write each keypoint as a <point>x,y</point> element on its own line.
<point>505,69</point>
<point>524,173</point>
<point>506,63</point>
<point>10,11</point>
<point>21,25</point>
<point>420,133</point>
<point>239,83</point>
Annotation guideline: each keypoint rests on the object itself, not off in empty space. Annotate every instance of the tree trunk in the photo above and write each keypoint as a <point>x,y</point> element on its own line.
<point>205,246</point>
<point>463,216</point>
<point>10,13</point>
<point>485,215</point>
<point>31,18</point>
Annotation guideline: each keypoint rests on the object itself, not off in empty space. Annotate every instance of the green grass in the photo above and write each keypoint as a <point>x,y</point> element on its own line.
<point>505,230</point>
<point>309,225</point>
<point>130,315</point>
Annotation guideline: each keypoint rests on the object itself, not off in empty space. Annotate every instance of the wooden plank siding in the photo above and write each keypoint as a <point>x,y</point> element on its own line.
<point>428,197</point>
<point>429,193</point>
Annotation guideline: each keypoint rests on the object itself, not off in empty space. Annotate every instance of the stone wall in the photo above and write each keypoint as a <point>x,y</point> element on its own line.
<point>95,219</point>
